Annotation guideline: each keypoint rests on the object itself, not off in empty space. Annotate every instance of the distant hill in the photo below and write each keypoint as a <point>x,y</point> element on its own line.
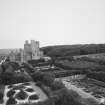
<point>6,51</point>
<point>71,50</point>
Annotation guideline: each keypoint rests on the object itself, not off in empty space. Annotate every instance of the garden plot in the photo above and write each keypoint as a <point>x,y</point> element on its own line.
<point>23,93</point>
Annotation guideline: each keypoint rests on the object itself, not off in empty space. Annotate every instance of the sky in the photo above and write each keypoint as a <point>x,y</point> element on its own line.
<point>52,22</point>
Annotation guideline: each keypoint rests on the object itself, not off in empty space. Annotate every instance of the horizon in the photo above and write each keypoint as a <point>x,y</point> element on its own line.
<point>51,22</point>
<point>52,46</point>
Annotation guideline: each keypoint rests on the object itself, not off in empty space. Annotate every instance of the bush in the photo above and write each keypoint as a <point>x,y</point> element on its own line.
<point>21,79</point>
<point>7,78</point>
<point>45,78</point>
<point>68,97</point>
<point>11,78</point>
<point>56,85</point>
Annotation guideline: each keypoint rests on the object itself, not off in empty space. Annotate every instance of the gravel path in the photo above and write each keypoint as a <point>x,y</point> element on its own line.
<point>82,93</point>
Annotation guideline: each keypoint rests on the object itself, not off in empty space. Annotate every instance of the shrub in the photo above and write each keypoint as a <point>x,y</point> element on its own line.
<point>11,78</point>
<point>7,78</point>
<point>45,78</point>
<point>21,95</point>
<point>68,97</point>
<point>56,85</point>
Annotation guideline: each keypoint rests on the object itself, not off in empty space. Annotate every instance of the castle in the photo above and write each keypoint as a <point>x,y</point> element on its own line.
<point>31,51</point>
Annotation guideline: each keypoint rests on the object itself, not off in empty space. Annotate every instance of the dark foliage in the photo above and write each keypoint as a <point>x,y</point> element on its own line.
<point>11,101</point>
<point>56,85</point>
<point>81,66</point>
<point>69,58</point>
<point>97,75</point>
<point>70,50</point>
<point>15,65</point>
<point>45,78</point>
<point>38,83</point>
<point>9,67</point>
<point>21,79</point>
<point>7,78</point>
<point>21,95</point>
<point>10,93</point>
<point>67,97</point>
<point>35,62</point>
<point>27,67</point>
<point>1,98</point>
<point>29,90</point>
<point>33,97</point>
<point>97,60</point>
<point>10,78</point>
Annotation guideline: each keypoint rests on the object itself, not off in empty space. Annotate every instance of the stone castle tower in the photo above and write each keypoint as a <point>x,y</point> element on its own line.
<point>31,51</point>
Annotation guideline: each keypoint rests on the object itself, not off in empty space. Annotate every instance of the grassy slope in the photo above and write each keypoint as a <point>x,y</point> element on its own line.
<point>68,50</point>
